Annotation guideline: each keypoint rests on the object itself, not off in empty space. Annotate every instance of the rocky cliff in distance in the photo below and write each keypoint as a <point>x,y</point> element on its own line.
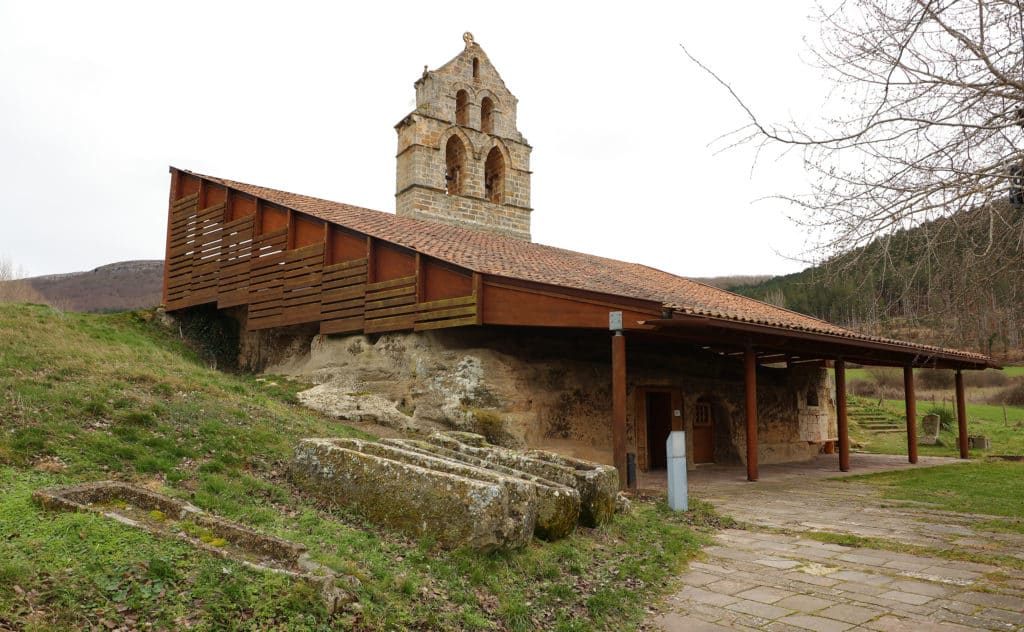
<point>113,287</point>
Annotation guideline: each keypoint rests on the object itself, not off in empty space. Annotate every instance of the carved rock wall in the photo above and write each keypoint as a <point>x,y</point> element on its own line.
<point>551,389</point>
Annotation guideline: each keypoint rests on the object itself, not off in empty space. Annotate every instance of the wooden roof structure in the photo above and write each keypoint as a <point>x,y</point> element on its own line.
<point>294,259</point>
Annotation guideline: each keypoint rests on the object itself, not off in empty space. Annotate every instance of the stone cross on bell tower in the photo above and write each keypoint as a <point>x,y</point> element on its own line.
<point>461,160</point>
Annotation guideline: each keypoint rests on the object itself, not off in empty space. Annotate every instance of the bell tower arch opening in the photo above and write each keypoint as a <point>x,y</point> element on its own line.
<point>494,176</point>
<point>455,163</point>
<point>462,108</point>
<point>487,115</point>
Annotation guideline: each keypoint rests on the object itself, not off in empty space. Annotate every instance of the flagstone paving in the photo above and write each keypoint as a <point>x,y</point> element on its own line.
<point>771,575</point>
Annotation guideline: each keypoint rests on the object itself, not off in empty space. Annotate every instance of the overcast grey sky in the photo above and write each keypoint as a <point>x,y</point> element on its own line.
<point>98,98</point>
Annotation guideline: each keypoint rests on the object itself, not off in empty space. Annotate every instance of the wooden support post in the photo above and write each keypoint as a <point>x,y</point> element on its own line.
<point>421,279</point>
<point>371,261</point>
<point>478,292</point>
<point>961,414</point>
<point>911,403</point>
<point>619,405</point>
<point>328,251</point>
<point>750,366</point>
<point>842,419</point>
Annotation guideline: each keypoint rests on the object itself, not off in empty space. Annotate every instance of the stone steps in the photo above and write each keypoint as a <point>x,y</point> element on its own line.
<point>877,421</point>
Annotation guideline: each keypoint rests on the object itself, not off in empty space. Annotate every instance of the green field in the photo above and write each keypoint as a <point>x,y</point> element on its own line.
<point>90,397</point>
<point>1006,435</point>
<point>988,487</point>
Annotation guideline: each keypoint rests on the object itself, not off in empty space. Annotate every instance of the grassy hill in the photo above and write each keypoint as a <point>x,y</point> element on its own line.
<point>92,397</point>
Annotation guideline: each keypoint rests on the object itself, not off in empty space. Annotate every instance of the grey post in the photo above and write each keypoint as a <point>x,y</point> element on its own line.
<point>675,448</point>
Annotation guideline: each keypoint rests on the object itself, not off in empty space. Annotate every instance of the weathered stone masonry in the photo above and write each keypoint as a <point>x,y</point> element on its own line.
<point>464,107</point>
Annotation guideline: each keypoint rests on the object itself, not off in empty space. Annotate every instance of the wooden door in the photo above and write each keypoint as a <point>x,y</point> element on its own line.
<point>659,424</point>
<point>703,434</point>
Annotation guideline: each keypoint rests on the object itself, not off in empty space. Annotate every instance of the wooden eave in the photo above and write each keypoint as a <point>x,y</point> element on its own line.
<point>777,343</point>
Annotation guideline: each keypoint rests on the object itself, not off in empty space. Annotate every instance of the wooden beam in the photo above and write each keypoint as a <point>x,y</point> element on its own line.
<point>911,403</point>
<point>327,244</point>
<point>750,366</point>
<point>421,279</point>
<point>175,184</point>
<point>619,405</point>
<point>478,292</point>
<point>961,414</point>
<point>843,420</point>
<point>371,261</point>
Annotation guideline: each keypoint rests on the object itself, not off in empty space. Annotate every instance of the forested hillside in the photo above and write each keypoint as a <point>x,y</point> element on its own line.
<point>954,281</point>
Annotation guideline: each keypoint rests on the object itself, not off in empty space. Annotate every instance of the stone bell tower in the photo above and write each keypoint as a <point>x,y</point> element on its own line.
<point>461,160</point>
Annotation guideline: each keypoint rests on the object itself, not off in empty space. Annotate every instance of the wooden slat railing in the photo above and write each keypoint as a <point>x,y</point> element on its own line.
<point>235,263</point>
<point>390,305</point>
<point>213,260</point>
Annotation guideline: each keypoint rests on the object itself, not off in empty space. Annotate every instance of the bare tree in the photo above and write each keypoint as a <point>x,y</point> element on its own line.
<point>924,130</point>
<point>931,96</point>
<point>7,271</point>
<point>14,289</point>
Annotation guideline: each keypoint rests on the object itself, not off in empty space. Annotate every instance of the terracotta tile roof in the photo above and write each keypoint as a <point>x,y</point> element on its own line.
<point>497,255</point>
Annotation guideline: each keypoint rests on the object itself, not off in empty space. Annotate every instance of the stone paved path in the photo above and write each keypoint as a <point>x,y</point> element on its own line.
<point>770,577</point>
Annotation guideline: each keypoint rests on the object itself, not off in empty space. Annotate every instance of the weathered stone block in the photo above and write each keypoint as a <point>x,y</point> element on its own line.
<point>456,510</point>
<point>522,505</point>
<point>557,506</point>
<point>597,484</point>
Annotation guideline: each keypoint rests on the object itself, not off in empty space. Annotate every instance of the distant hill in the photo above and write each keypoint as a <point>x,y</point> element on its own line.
<point>955,281</point>
<point>113,287</point>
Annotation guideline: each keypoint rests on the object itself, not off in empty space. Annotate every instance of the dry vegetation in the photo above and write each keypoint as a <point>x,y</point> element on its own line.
<point>13,288</point>
<point>991,386</point>
<point>115,287</point>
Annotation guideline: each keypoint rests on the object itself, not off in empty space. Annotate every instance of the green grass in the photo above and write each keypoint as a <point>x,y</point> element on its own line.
<point>89,397</point>
<point>1013,371</point>
<point>888,544</point>
<point>986,487</point>
<point>1006,434</point>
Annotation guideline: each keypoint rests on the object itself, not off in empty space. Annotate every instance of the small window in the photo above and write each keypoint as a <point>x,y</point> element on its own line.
<point>462,108</point>
<point>476,68</point>
<point>487,115</point>
<point>702,413</point>
<point>454,160</point>
<point>812,397</point>
<point>494,176</point>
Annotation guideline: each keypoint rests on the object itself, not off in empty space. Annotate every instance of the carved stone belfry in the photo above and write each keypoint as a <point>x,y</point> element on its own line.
<point>461,160</point>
